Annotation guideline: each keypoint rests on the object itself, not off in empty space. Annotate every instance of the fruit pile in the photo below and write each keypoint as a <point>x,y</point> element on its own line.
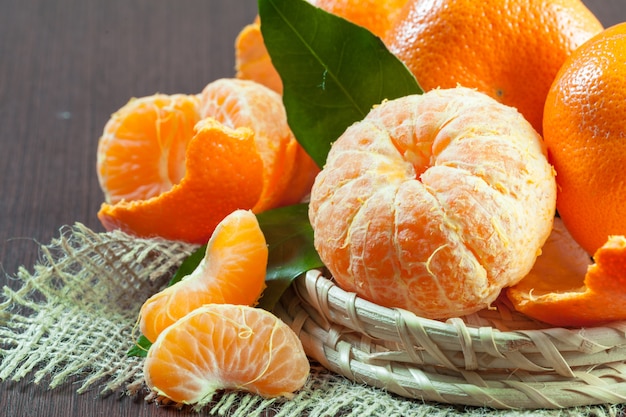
<point>502,178</point>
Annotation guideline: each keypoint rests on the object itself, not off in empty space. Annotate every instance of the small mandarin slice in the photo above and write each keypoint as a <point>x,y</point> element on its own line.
<point>231,272</point>
<point>222,173</point>
<point>225,346</point>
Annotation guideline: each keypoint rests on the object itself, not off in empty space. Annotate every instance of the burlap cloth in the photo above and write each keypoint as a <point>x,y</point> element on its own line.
<point>74,316</point>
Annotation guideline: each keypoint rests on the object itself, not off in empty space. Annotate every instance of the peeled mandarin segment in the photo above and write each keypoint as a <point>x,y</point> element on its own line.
<point>231,272</point>
<point>565,289</point>
<point>304,170</point>
<point>141,152</point>
<point>223,173</point>
<point>510,50</point>
<point>243,103</point>
<point>223,346</point>
<point>434,203</point>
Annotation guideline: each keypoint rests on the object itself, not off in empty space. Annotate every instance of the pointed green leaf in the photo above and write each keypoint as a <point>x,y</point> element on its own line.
<point>333,71</point>
<point>142,345</point>
<point>289,236</point>
<point>140,348</point>
<point>189,265</point>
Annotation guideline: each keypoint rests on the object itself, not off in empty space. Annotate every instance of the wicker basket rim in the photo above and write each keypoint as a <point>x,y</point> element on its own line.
<point>462,360</point>
<point>373,319</point>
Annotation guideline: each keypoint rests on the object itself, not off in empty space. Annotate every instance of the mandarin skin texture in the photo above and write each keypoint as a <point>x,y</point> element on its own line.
<point>567,288</point>
<point>434,203</point>
<point>174,166</point>
<point>585,132</point>
<point>508,49</point>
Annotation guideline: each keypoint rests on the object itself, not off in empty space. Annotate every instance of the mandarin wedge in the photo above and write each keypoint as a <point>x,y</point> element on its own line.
<point>565,288</point>
<point>508,49</point>
<point>225,346</point>
<point>434,203</point>
<point>231,272</point>
<point>288,172</point>
<point>222,172</point>
<point>141,152</point>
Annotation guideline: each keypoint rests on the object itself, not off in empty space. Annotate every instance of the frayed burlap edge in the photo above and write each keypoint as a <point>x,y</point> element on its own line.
<point>74,316</point>
<point>76,311</point>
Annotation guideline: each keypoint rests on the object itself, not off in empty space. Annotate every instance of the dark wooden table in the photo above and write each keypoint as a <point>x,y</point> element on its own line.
<point>65,66</point>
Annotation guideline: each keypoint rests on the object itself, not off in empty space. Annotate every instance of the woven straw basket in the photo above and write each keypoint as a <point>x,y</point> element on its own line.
<point>495,358</point>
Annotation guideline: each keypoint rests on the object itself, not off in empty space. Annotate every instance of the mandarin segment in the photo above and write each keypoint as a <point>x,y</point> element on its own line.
<point>584,128</point>
<point>288,172</point>
<point>224,346</point>
<point>434,203</point>
<point>303,172</point>
<point>508,49</point>
<point>141,152</point>
<point>231,272</point>
<point>223,172</point>
<point>565,288</point>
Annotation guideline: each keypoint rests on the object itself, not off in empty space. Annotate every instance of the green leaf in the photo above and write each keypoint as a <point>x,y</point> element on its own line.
<point>333,71</point>
<point>188,265</point>
<point>140,348</point>
<point>289,236</point>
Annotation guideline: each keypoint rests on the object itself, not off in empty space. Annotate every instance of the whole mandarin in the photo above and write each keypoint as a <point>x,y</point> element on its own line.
<point>508,49</point>
<point>585,132</point>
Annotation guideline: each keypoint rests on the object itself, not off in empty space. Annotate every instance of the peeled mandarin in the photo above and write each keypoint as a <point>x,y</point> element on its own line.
<point>434,203</point>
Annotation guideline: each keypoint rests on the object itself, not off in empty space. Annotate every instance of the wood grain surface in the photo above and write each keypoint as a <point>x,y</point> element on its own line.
<point>65,66</point>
